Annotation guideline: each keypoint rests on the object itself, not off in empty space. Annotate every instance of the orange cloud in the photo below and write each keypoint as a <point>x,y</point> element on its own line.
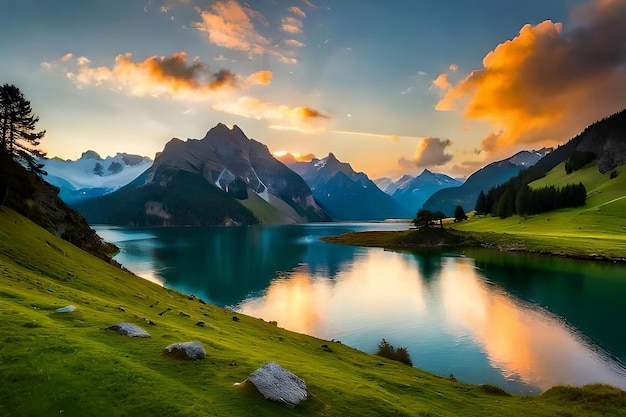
<point>294,43</point>
<point>229,25</point>
<point>260,78</point>
<point>453,67</point>
<point>291,24</point>
<point>441,82</point>
<point>177,77</point>
<point>156,75</point>
<point>289,158</point>
<point>302,119</point>
<point>546,84</point>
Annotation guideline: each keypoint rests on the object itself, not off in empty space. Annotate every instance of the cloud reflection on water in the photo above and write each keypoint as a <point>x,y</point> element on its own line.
<point>385,293</point>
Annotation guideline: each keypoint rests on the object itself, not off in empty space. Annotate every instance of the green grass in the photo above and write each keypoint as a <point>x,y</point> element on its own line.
<point>68,364</point>
<point>597,229</point>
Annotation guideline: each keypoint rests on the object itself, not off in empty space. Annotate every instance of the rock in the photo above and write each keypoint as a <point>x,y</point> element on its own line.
<point>201,324</point>
<point>66,309</point>
<point>278,384</point>
<point>235,318</point>
<point>129,329</point>
<point>186,350</point>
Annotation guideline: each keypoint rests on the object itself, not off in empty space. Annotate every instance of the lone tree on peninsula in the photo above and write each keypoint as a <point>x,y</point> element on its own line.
<point>18,137</point>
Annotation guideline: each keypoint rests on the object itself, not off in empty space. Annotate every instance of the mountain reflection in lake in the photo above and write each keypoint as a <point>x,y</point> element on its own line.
<point>523,323</point>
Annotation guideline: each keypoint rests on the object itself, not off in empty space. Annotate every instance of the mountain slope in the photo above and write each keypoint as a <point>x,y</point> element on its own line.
<point>49,358</point>
<point>204,182</point>
<point>347,195</point>
<point>36,199</point>
<point>465,195</point>
<point>92,176</point>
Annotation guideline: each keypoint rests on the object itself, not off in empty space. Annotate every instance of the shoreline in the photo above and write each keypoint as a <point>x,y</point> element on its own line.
<point>437,239</point>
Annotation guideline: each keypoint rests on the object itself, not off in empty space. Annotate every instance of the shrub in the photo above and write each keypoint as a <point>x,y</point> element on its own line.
<point>386,350</point>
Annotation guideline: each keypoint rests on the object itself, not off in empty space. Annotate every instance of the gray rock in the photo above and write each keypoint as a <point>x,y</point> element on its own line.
<point>129,329</point>
<point>186,350</point>
<point>278,384</point>
<point>66,309</point>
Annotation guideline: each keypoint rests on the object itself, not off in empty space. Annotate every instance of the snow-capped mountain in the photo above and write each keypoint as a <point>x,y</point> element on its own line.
<point>389,186</point>
<point>224,178</point>
<point>412,193</point>
<point>346,194</point>
<point>91,175</point>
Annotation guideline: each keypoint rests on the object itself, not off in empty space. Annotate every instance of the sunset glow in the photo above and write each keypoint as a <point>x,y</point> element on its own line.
<point>314,77</point>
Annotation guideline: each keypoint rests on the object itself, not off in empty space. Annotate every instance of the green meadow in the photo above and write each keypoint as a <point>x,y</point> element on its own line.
<point>595,230</point>
<point>69,364</point>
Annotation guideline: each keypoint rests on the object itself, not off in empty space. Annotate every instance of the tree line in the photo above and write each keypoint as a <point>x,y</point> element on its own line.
<point>19,138</point>
<point>516,197</point>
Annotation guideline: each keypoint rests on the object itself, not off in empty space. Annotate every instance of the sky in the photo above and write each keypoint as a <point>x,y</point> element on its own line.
<point>391,87</point>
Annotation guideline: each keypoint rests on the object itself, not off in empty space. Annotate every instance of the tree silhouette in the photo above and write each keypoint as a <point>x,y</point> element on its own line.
<point>18,137</point>
<point>459,213</point>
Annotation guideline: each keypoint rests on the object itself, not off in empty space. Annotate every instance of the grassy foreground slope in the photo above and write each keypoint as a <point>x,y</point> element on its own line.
<point>53,363</point>
<point>597,229</point>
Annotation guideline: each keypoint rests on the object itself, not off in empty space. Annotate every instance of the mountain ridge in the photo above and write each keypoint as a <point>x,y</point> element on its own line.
<point>217,172</point>
<point>346,194</point>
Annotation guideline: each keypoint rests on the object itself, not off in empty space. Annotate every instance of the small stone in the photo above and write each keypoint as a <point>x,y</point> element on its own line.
<point>183,314</point>
<point>66,309</point>
<point>201,324</point>
<point>129,329</point>
<point>186,350</point>
<point>235,318</point>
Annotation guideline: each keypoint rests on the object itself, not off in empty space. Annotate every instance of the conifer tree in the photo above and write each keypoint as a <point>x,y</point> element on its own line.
<point>18,137</point>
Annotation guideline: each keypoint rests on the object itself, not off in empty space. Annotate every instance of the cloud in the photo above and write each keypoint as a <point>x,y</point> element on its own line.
<point>547,84</point>
<point>291,24</point>
<point>180,78</point>
<point>67,57</point>
<point>441,82</point>
<point>294,43</point>
<point>429,152</point>
<point>229,25</point>
<point>297,11</point>
<point>156,75</point>
<point>453,67</point>
<point>288,158</point>
<point>260,78</point>
<point>466,168</point>
<point>302,119</point>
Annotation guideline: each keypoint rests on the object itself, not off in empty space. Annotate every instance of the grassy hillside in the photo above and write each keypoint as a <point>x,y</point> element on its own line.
<point>53,363</point>
<point>596,229</point>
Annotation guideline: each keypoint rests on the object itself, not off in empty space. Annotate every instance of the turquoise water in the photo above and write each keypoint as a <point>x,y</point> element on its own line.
<point>521,322</point>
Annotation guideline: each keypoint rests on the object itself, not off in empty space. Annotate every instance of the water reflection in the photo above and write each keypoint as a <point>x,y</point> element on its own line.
<point>446,301</point>
<point>370,296</point>
<point>525,342</point>
<point>490,317</point>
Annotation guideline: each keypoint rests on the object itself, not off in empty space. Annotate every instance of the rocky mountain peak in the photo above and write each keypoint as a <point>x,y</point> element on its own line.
<point>90,155</point>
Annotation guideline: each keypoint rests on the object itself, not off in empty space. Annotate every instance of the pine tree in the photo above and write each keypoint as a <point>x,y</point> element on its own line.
<point>481,206</point>
<point>459,213</point>
<point>18,137</point>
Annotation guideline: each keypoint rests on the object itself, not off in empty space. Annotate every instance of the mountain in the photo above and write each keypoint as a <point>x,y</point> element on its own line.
<point>413,193</point>
<point>223,179</point>
<point>345,194</point>
<point>91,176</point>
<point>493,174</point>
<point>389,186</point>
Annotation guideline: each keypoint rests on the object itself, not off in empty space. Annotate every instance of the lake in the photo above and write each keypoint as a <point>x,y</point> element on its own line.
<point>518,321</point>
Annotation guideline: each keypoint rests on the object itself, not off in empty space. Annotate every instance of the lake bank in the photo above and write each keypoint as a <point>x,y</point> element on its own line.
<point>604,248</point>
<point>49,358</point>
